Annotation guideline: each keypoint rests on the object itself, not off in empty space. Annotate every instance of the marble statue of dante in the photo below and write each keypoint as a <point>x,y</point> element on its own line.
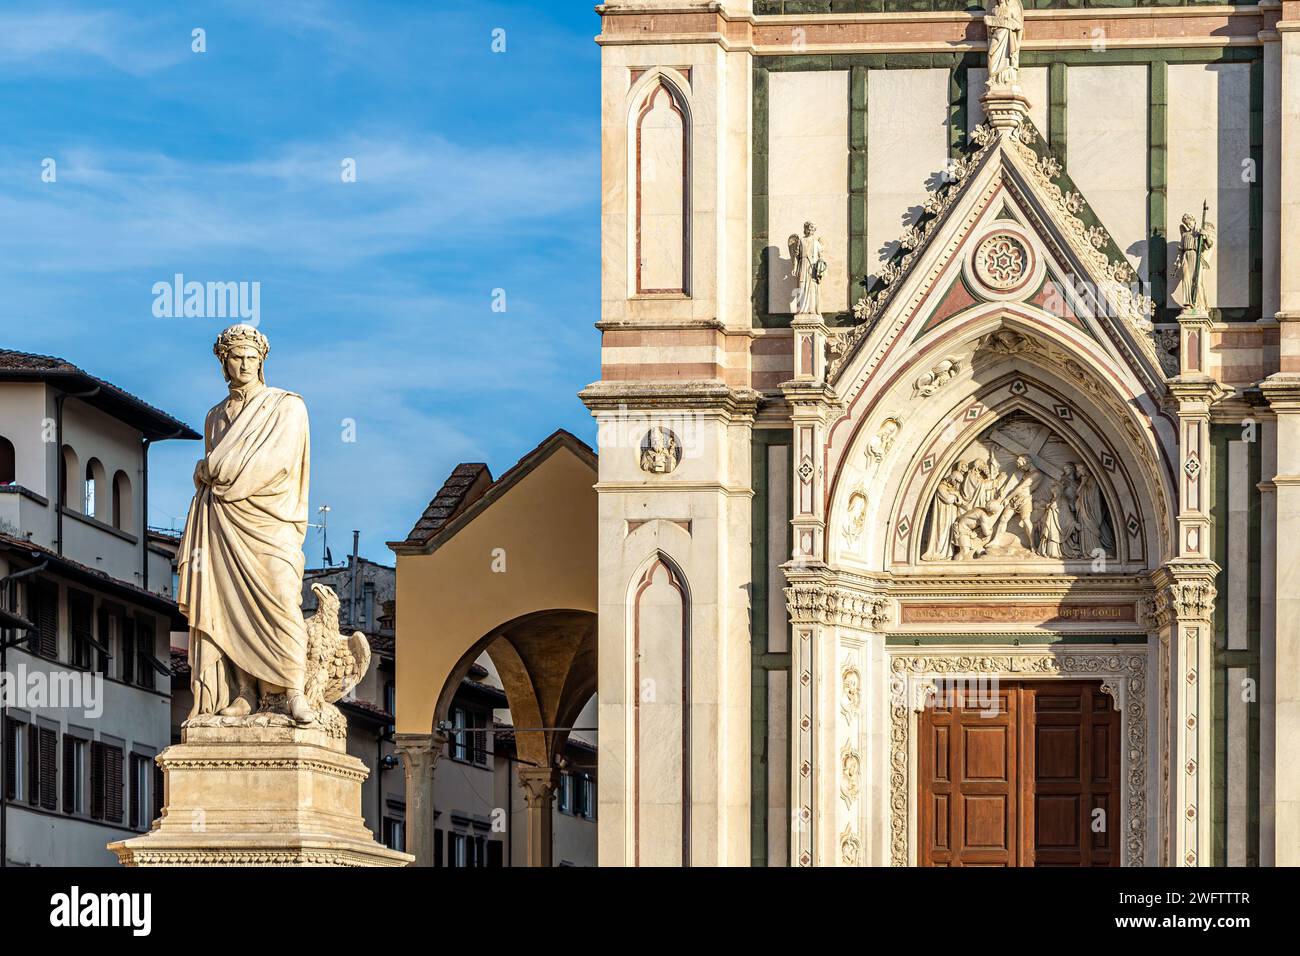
<point>1193,260</point>
<point>807,253</point>
<point>240,561</point>
<point>1005,23</point>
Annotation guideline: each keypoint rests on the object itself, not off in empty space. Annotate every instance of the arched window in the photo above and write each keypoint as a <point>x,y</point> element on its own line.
<point>70,495</point>
<point>661,173</point>
<point>122,516</point>
<point>8,463</point>
<point>95,500</point>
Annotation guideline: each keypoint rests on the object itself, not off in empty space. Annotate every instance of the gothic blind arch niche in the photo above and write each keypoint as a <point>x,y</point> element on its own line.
<point>659,603</point>
<point>1024,490</point>
<point>659,219</point>
<point>909,433</point>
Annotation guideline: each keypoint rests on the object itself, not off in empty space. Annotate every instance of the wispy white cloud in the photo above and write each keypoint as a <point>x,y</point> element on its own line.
<point>62,40</point>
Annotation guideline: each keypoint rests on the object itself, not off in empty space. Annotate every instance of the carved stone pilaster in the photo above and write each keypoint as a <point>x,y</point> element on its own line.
<point>539,785</point>
<point>813,405</point>
<point>419,753</point>
<point>1183,613</point>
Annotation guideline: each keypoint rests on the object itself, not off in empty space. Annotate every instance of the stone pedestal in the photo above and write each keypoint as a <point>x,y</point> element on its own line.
<point>274,795</point>
<point>1005,106</point>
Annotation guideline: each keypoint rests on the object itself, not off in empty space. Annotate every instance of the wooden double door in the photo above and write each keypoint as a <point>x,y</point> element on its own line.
<point>1020,774</point>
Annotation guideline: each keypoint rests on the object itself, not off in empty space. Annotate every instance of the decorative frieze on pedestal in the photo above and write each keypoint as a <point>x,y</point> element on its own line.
<point>276,795</point>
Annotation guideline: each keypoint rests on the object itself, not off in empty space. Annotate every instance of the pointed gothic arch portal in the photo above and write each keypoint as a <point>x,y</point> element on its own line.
<point>993,372</point>
<point>987,490</point>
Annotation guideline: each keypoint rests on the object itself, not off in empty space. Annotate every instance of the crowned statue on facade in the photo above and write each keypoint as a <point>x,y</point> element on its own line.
<point>807,252</point>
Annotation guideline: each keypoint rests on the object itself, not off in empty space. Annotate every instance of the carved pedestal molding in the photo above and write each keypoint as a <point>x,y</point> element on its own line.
<point>259,796</point>
<point>419,753</point>
<point>912,675</point>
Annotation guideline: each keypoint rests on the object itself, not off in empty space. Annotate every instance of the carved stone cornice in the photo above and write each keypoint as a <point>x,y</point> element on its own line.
<point>1282,391</point>
<point>819,602</point>
<point>692,396</point>
<point>803,394</point>
<point>1185,592</point>
<point>1197,392</point>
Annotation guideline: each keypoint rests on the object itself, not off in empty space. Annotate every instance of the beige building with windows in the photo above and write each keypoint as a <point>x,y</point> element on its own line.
<point>90,699</point>
<point>949,434</point>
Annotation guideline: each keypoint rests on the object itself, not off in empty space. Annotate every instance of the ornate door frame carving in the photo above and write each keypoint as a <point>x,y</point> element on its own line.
<point>1124,675</point>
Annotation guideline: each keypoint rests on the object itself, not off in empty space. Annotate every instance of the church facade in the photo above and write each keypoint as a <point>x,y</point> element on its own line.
<point>949,434</point>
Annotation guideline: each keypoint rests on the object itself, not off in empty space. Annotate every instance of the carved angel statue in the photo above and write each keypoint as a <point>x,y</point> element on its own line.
<point>1193,260</point>
<point>807,254</point>
<point>336,662</point>
<point>1005,23</point>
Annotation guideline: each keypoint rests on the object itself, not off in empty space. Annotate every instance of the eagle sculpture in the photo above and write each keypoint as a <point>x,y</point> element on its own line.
<point>336,662</point>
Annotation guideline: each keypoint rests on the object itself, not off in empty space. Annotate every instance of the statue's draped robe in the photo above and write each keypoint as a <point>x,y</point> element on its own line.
<point>240,561</point>
<point>1004,24</point>
<point>808,297</point>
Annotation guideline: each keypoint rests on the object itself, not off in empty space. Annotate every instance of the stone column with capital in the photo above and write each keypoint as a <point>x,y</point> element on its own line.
<point>419,753</point>
<point>539,785</point>
<point>1283,393</point>
<point>1184,606</point>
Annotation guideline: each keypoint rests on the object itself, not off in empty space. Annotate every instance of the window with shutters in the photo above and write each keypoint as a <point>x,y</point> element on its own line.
<point>80,616</point>
<point>481,740</point>
<point>74,775</point>
<point>458,852</point>
<point>459,738</point>
<point>126,657</point>
<point>105,782</point>
<point>159,790</point>
<point>43,600</point>
<point>141,777</point>
<point>15,758</point>
<point>104,630</point>
<point>395,834</point>
<point>566,793</point>
<point>43,768</point>
<point>144,634</point>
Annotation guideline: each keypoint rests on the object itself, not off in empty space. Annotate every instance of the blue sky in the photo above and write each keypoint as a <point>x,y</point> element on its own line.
<point>475,171</point>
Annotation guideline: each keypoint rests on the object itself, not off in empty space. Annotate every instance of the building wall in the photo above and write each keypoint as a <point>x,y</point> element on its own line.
<point>852,118</point>
<point>133,718</point>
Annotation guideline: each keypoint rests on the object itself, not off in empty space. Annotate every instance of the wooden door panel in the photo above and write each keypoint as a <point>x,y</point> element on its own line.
<point>1030,778</point>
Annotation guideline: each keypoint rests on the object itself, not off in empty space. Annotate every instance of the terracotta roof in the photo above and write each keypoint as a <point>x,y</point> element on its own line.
<point>470,488</point>
<point>367,707</point>
<point>466,482</point>
<point>92,576</point>
<point>180,662</point>
<point>155,423</point>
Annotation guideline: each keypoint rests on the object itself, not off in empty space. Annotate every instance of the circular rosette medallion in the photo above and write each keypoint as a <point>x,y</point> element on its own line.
<point>1004,265</point>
